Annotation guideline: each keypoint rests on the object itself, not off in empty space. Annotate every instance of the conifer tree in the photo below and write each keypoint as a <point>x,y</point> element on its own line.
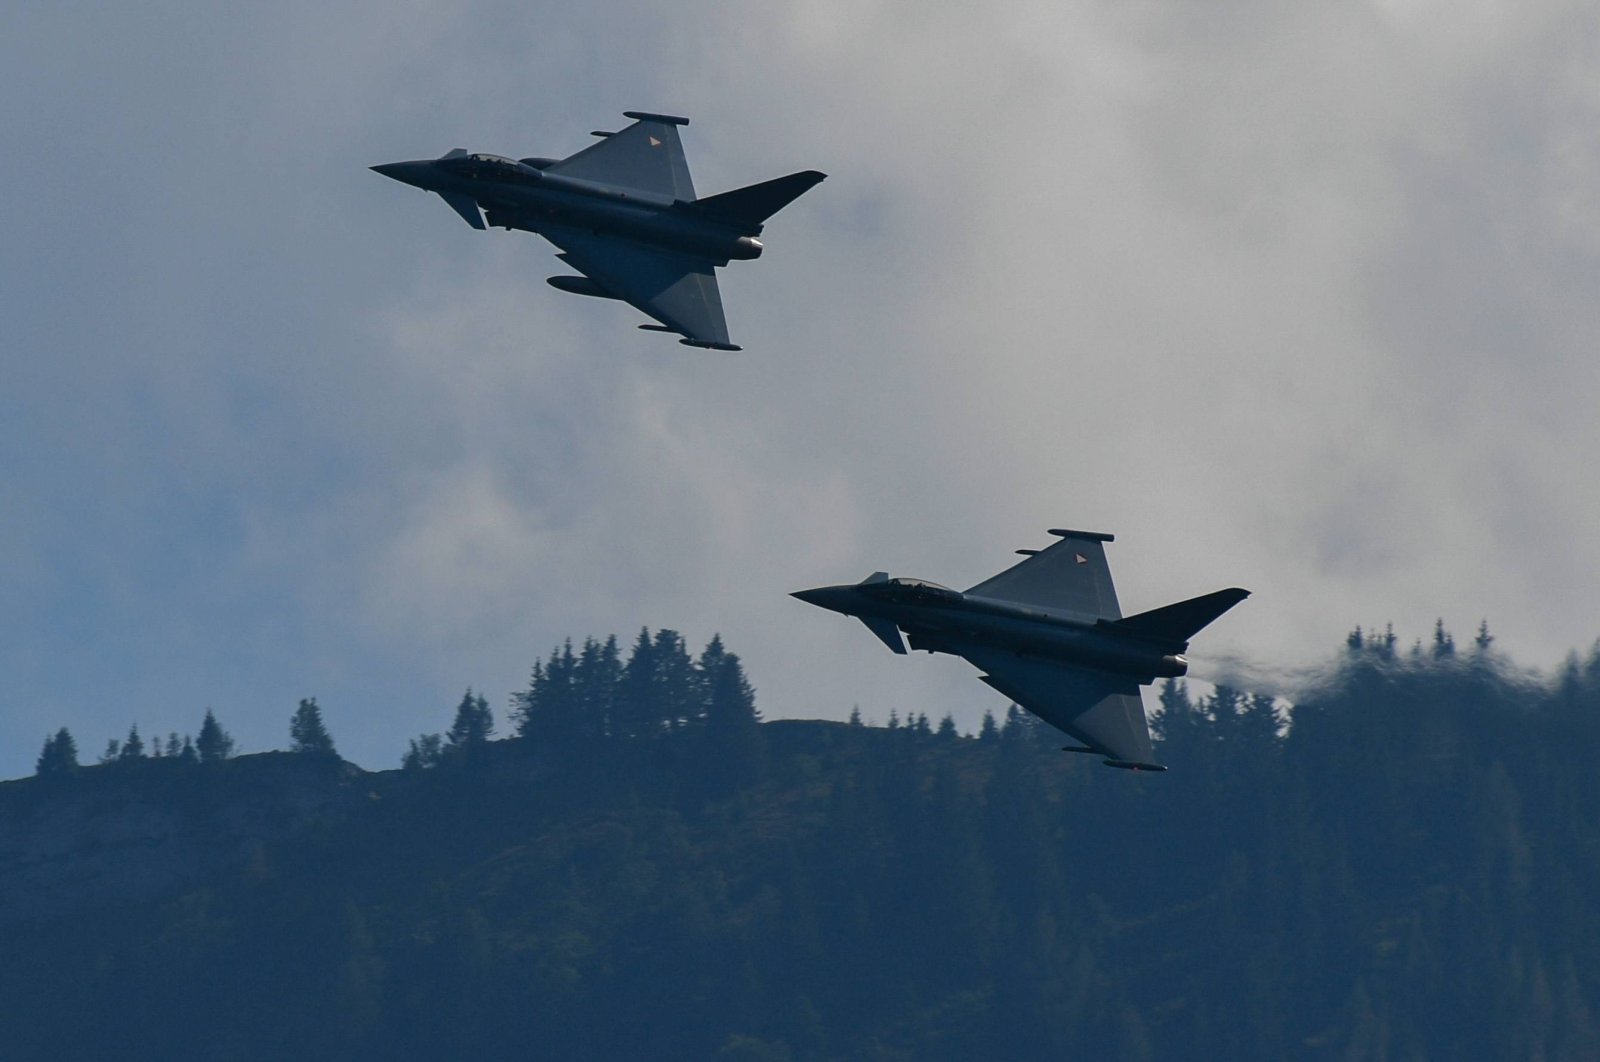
<point>133,747</point>
<point>1226,707</point>
<point>1444,646</point>
<point>214,744</point>
<point>1175,721</point>
<point>188,754</point>
<point>988,731</point>
<point>947,728</point>
<point>732,723</point>
<point>560,697</point>
<point>710,661</point>
<point>595,687</point>
<point>307,734</point>
<point>1484,639</point>
<point>426,751</point>
<point>1016,724</point>
<point>473,723</point>
<point>636,709</point>
<point>112,752</point>
<point>525,703</point>
<point>855,715</point>
<point>730,701</point>
<point>680,699</point>
<point>1258,721</point>
<point>549,710</point>
<point>59,755</point>
<point>1022,727</point>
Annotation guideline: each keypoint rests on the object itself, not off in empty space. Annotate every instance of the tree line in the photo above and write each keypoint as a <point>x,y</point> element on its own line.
<point>589,694</point>
<point>307,734</point>
<point>592,693</point>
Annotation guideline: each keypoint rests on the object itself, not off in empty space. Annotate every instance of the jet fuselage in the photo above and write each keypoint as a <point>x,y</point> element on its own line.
<point>518,195</point>
<point>940,620</point>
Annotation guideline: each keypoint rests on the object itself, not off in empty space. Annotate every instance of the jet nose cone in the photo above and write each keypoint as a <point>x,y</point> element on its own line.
<point>834,598</point>
<point>405,172</point>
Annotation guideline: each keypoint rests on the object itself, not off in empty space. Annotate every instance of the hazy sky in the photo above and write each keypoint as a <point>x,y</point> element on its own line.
<point>1299,298</point>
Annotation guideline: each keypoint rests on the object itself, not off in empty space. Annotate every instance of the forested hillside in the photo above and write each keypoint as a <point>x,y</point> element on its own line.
<point>1408,867</point>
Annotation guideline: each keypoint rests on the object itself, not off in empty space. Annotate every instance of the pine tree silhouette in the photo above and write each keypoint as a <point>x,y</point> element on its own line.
<point>214,744</point>
<point>473,723</point>
<point>59,755</point>
<point>307,734</point>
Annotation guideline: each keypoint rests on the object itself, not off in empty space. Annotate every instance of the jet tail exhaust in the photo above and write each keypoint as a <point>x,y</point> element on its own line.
<point>753,204</point>
<point>1175,624</point>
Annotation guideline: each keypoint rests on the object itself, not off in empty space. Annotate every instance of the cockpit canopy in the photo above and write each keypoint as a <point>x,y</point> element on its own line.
<point>920,584</point>
<point>493,167</point>
<point>903,589</point>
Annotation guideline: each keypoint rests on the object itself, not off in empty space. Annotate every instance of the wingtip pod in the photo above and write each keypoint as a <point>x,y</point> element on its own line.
<point>1133,765</point>
<point>649,116</point>
<point>703,344</point>
<point>1093,536</point>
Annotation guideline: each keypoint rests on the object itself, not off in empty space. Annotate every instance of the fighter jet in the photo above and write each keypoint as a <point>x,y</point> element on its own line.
<point>1048,634</point>
<point>624,214</point>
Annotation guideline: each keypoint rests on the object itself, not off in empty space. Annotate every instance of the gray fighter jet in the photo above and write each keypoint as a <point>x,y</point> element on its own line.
<point>1049,635</point>
<point>624,214</point>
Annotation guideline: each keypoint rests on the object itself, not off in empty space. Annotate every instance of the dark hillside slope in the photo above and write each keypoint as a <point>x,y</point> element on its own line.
<point>1413,871</point>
